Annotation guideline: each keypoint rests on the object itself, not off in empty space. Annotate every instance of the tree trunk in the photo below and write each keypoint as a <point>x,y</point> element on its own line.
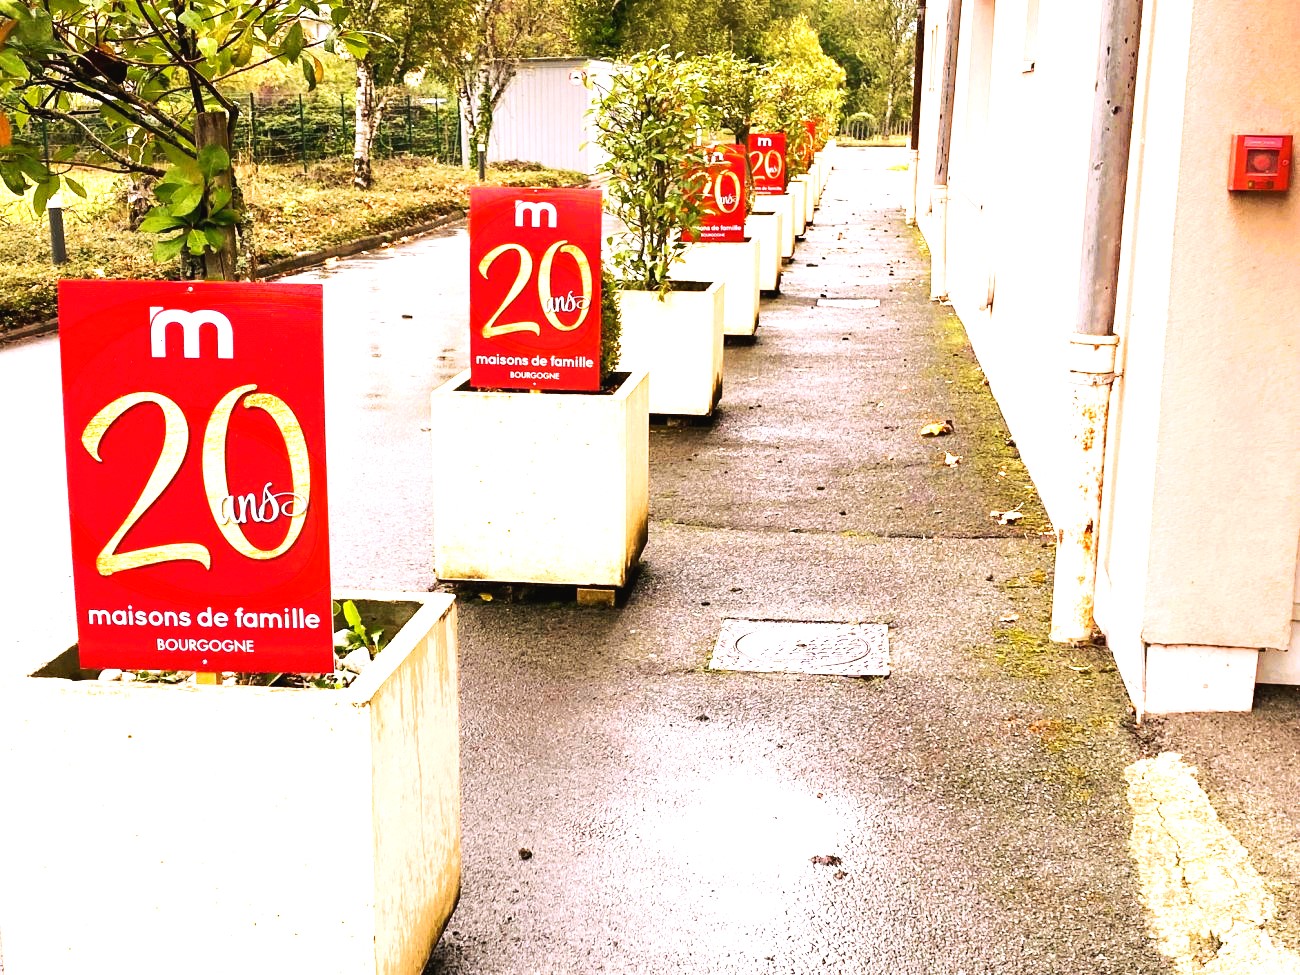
<point>211,129</point>
<point>139,198</point>
<point>369,113</point>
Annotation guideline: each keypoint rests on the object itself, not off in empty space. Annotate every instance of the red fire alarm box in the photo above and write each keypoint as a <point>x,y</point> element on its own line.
<point>1260,163</point>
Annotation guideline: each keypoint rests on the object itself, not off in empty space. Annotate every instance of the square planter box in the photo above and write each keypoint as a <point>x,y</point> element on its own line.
<point>549,488</point>
<point>736,265</point>
<point>782,204</point>
<point>809,196</point>
<point>766,228</point>
<point>678,340</point>
<point>157,829</point>
<point>797,189</point>
<point>819,174</point>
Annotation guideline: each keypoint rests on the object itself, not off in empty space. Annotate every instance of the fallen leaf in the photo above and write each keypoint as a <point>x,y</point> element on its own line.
<point>1009,618</point>
<point>485,596</point>
<point>840,874</point>
<point>1085,669</point>
<point>827,860</point>
<point>952,460</point>
<point>1010,517</point>
<point>525,853</point>
<point>939,428</point>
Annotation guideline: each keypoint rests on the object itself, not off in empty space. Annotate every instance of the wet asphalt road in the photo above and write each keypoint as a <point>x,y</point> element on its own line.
<point>975,798</point>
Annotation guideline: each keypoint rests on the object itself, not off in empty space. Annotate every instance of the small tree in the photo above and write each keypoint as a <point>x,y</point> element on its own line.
<point>477,51</point>
<point>141,83</point>
<point>733,87</point>
<point>400,34</point>
<point>801,84</point>
<point>648,123</point>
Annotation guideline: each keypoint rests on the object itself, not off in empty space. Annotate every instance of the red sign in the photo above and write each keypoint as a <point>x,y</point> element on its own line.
<point>767,162</point>
<point>724,196</point>
<point>534,292</point>
<point>194,416</point>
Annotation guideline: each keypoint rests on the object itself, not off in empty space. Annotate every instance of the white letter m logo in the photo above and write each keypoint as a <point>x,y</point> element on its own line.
<point>190,323</point>
<point>536,211</point>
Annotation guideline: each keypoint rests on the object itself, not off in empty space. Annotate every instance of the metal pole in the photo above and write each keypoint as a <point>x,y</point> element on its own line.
<point>54,208</point>
<point>343,124</point>
<point>58,246</point>
<point>939,200</point>
<point>302,135</point>
<point>1093,346</point>
<point>410,143</point>
<point>918,67</point>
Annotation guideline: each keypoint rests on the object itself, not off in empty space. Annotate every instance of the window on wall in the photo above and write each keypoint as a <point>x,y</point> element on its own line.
<point>1031,35</point>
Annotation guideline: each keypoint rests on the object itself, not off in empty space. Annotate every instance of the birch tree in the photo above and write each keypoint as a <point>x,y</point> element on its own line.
<point>478,51</point>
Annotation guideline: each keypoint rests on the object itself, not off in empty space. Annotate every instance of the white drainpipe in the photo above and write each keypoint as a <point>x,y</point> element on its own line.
<point>1092,373</point>
<point>1092,348</point>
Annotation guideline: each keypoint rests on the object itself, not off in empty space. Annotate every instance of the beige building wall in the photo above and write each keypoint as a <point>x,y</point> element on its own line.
<point>1227,457</point>
<point>1201,510</point>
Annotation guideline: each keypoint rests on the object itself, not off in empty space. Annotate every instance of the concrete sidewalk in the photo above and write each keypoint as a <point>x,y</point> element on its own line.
<point>975,798</point>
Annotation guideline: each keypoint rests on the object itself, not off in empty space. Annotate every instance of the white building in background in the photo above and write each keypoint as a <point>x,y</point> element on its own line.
<point>542,117</point>
<point>1198,586</point>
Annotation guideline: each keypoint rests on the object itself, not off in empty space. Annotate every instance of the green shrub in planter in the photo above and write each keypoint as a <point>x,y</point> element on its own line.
<point>611,324</point>
<point>648,123</point>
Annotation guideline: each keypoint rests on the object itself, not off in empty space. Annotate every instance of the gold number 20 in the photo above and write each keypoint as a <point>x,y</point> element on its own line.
<point>491,329</point>
<point>175,445</point>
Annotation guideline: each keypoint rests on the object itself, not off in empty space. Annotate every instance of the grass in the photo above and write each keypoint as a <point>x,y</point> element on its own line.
<point>292,213</point>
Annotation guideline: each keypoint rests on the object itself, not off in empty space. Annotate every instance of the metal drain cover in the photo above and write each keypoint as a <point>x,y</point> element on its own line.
<point>796,647</point>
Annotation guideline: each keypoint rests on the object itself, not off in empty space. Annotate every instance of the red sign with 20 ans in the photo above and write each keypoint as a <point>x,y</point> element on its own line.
<point>767,162</point>
<point>194,420</point>
<point>724,195</point>
<point>534,293</point>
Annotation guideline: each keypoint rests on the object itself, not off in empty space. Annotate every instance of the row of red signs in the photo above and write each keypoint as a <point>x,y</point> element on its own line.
<point>195,424</point>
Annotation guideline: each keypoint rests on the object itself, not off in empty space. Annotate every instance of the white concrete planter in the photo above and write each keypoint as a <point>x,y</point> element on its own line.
<point>678,340</point>
<point>783,204</point>
<point>797,189</point>
<point>157,829</point>
<point>809,197</point>
<point>548,488</point>
<point>820,172</point>
<point>736,265</point>
<point>766,229</point>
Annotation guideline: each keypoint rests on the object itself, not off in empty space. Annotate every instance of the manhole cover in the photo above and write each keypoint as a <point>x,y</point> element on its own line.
<point>848,302</point>
<point>796,647</point>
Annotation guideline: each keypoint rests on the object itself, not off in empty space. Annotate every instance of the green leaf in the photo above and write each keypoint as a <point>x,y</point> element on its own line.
<point>213,160</point>
<point>242,52</point>
<point>293,42</point>
<point>11,64</point>
<point>197,242</point>
<point>168,250</point>
<point>44,191</point>
<point>76,187</point>
<point>351,613</point>
<point>309,72</point>
<point>335,608</point>
<point>185,200</point>
<point>207,47</point>
<point>218,199</point>
<point>159,221</point>
<point>216,237</point>
<point>191,19</point>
